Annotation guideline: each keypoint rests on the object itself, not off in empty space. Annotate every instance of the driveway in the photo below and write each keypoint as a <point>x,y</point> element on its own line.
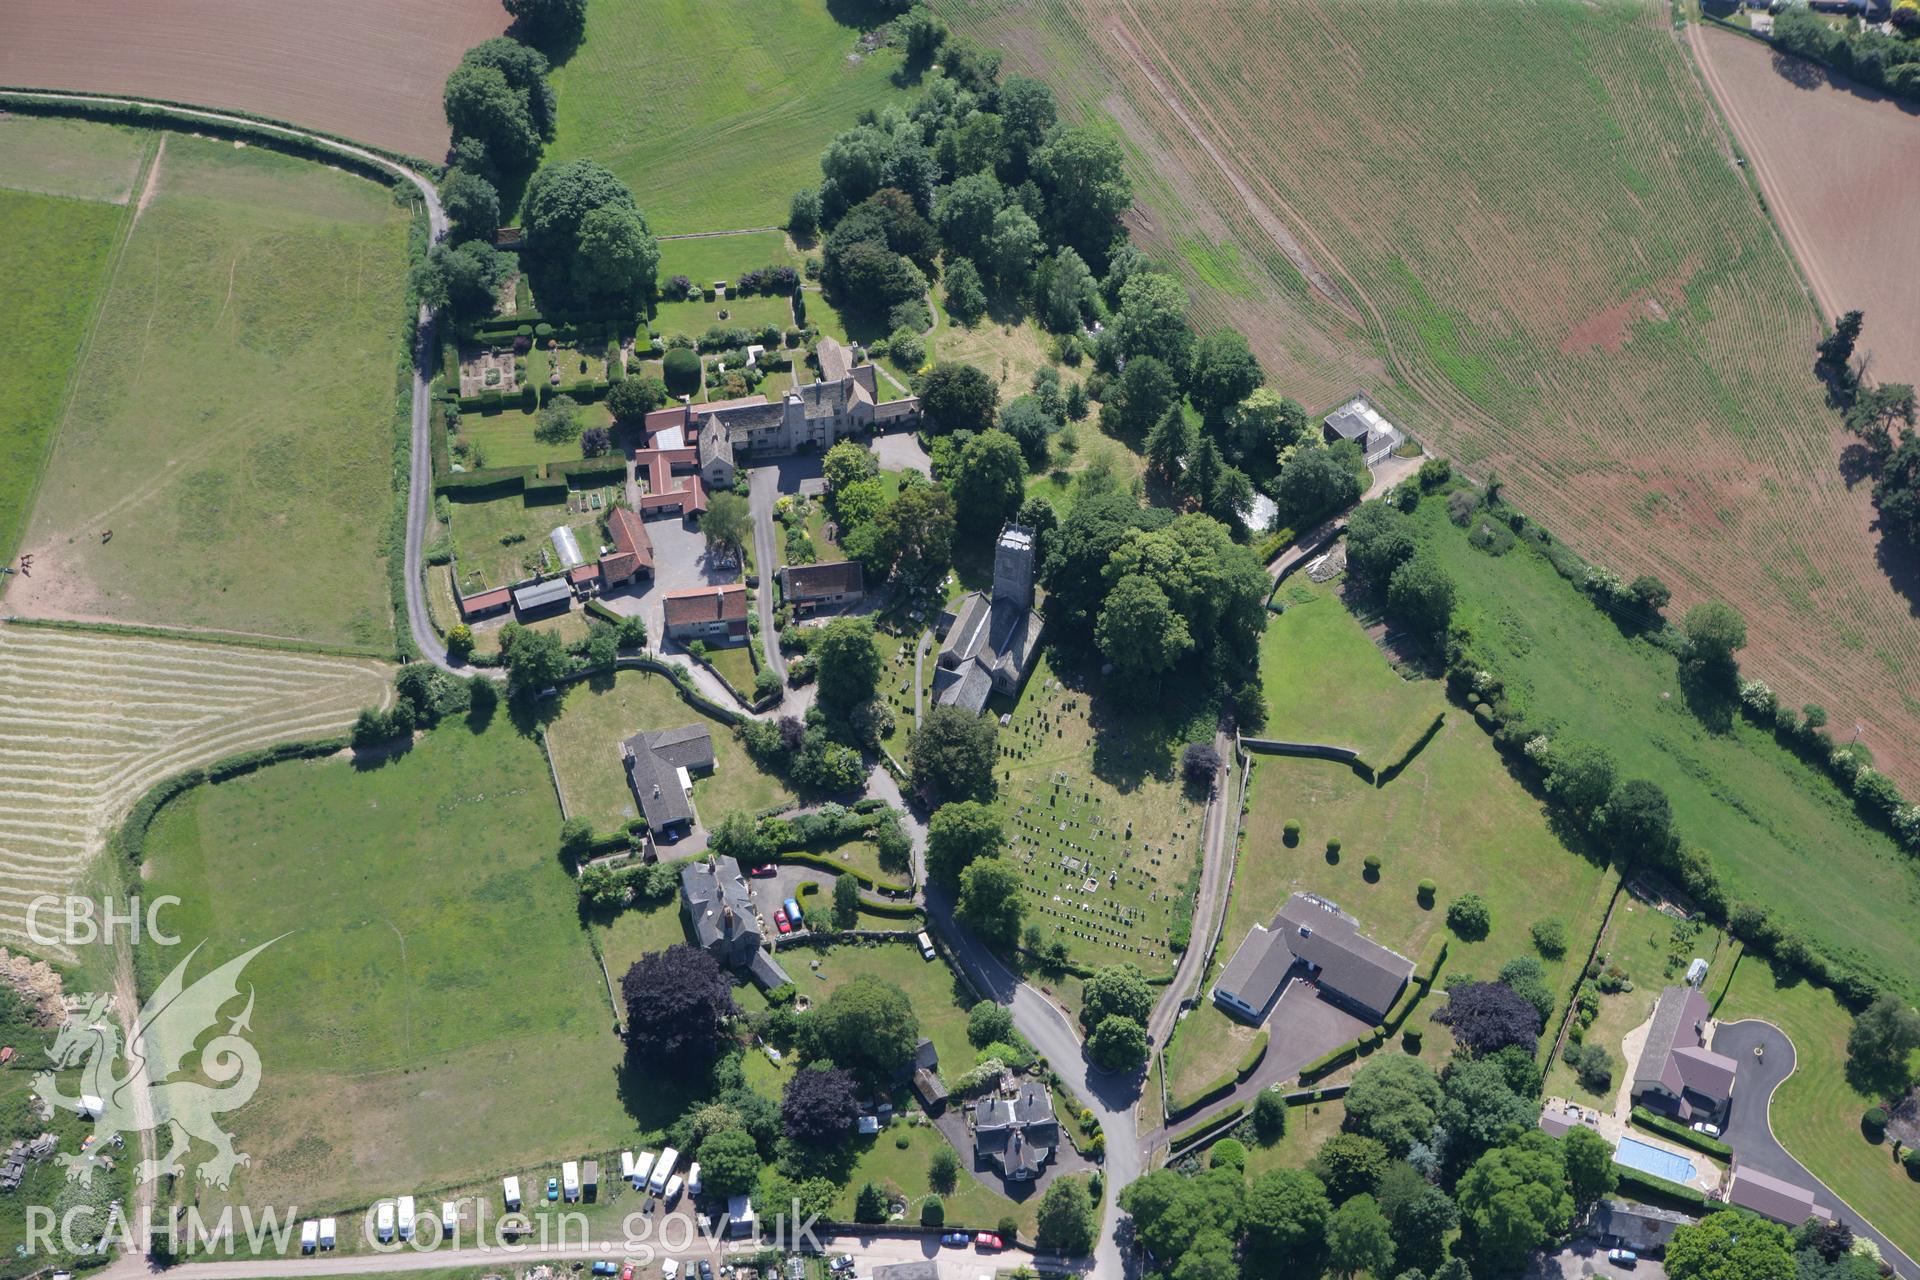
<point>1588,1258</point>
<point>766,483</point>
<point>680,563</point>
<point>1749,1131</point>
<point>900,451</point>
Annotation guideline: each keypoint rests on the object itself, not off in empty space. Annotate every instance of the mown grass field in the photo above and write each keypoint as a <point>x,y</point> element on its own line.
<point>715,113</point>
<point>91,721</point>
<point>1771,823</point>
<point>585,742</point>
<point>694,317</point>
<point>1816,1113</point>
<point>55,256</point>
<point>58,157</point>
<point>434,1011</point>
<point>1453,815</point>
<point>1205,1046</point>
<point>232,424</point>
<point>1095,782</point>
<point>705,259</point>
<point>1560,275</point>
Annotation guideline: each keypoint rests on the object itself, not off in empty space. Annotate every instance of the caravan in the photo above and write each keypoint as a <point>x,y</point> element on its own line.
<point>449,1219</point>
<point>626,1166</point>
<point>309,1236</point>
<point>383,1222</point>
<point>510,1191</point>
<point>570,1181</point>
<point>662,1170</point>
<point>327,1234</point>
<point>406,1217</point>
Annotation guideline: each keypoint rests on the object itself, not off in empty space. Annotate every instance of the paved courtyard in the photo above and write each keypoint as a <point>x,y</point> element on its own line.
<point>680,562</point>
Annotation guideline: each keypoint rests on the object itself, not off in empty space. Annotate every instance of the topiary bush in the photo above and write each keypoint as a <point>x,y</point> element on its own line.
<point>1912,1162</point>
<point>1550,939</point>
<point>1469,918</point>
<point>1370,868</point>
<point>1410,1040</point>
<point>680,369</point>
<point>1291,832</point>
<point>1425,894</point>
<point>1874,1124</point>
<point>1333,852</point>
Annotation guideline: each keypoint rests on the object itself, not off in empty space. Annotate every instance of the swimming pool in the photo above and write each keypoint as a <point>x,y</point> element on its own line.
<point>1649,1159</point>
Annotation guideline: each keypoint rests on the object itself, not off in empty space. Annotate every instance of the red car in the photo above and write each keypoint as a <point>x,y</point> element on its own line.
<point>780,920</point>
<point>765,871</point>
<point>987,1240</point>
<point>626,1272</point>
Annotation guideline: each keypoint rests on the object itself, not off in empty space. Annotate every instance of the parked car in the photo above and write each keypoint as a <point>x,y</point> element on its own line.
<point>706,1270</point>
<point>1622,1257</point>
<point>988,1240</point>
<point>553,1189</point>
<point>669,1270</point>
<point>780,921</point>
<point>765,871</point>
<point>960,1238</point>
<point>626,1272</point>
<point>793,911</point>
<point>603,1268</point>
<point>842,1263</point>
<point>1711,1130</point>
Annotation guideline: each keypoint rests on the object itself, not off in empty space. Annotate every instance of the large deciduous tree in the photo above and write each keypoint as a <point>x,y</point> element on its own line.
<point>1730,1245</point>
<point>1487,1016</point>
<point>867,1024</point>
<point>1515,1199</point>
<point>848,663</point>
<point>1116,989</point>
<point>678,1003</point>
<point>1359,1238</point>
<point>957,834</point>
<point>989,483</point>
<point>992,900</point>
<point>1066,1222</point>
<point>957,397</point>
<point>819,1106</point>
<point>1394,1099</point>
<point>952,754</point>
<point>1286,1224</point>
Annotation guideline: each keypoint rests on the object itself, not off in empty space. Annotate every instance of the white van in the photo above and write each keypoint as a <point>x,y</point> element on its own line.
<point>309,1236</point>
<point>693,1179</point>
<point>626,1166</point>
<point>926,946</point>
<point>327,1233</point>
<point>406,1217</point>
<point>449,1219</point>
<point>642,1166</point>
<point>673,1189</point>
<point>662,1170</point>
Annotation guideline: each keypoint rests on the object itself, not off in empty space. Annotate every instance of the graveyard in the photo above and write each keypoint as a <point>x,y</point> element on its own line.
<point>1098,820</point>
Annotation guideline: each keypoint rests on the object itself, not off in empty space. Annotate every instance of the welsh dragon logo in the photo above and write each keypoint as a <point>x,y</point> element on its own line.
<point>145,1096</point>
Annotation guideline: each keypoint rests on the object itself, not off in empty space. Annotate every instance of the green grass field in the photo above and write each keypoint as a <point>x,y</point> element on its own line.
<point>55,257</point>
<point>1770,822</point>
<point>1106,806</point>
<point>58,157</point>
<point>1816,1113</point>
<point>705,259</point>
<point>1323,687</point>
<point>1453,815</point>
<point>585,742</point>
<point>715,112</point>
<point>433,1011</point>
<point>1206,1045</point>
<point>232,423</point>
<point>506,439</point>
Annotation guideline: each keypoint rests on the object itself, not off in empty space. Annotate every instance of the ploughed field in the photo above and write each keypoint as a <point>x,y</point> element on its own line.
<point>369,70</point>
<point>1529,241</point>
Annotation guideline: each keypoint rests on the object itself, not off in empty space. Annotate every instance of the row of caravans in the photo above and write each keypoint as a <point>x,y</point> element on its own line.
<point>391,1218</point>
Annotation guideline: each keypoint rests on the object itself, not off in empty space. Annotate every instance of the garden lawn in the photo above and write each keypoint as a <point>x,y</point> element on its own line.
<point>705,259</point>
<point>940,999</point>
<point>506,439</point>
<point>694,317</point>
<point>498,540</point>
<point>58,157</point>
<point>233,422</point>
<point>595,717</point>
<point>1327,682</point>
<point>1207,1046</point>
<point>54,258</point>
<point>1308,1127</point>
<point>734,662</point>
<point>1110,800</point>
<point>715,111</point>
<point>1772,824</point>
<point>1653,949</point>
<point>882,1159</point>
<point>1816,1113</point>
<point>636,932</point>
<point>430,1010</point>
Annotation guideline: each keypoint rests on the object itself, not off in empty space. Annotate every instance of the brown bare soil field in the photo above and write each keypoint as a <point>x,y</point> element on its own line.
<point>1530,243</point>
<point>1840,164</point>
<point>370,70</point>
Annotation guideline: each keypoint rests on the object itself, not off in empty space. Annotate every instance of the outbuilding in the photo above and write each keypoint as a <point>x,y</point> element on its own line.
<point>590,1179</point>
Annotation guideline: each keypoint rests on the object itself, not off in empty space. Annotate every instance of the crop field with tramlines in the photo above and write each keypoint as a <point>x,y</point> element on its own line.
<point>1524,234</point>
<point>89,721</point>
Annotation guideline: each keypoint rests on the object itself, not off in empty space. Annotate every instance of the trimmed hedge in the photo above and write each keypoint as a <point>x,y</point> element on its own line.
<point>1223,1084</point>
<point>598,609</point>
<point>1328,1063</point>
<point>819,863</point>
<point>131,839</point>
<point>1666,1128</point>
<point>1225,1120</point>
<point>590,469</point>
<point>1653,1190</point>
<point>899,910</point>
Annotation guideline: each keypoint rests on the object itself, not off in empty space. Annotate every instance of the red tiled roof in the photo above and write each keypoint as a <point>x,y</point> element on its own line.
<point>674,415</point>
<point>706,604</point>
<point>618,567</point>
<point>495,598</point>
<point>630,536</point>
<point>583,573</point>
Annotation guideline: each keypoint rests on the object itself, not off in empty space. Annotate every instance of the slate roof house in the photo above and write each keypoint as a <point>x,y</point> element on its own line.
<point>1676,1072</point>
<point>1349,968</point>
<point>1357,420</point>
<point>1774,1198</point>
<point>845,401</point>
<point>989,643</point>
<point>822,586</point>
<point>716,615</point>
<point>719,907</point>
<point>1639,1227</point>
<point>660,765</point>
<point>1017,1135</point>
